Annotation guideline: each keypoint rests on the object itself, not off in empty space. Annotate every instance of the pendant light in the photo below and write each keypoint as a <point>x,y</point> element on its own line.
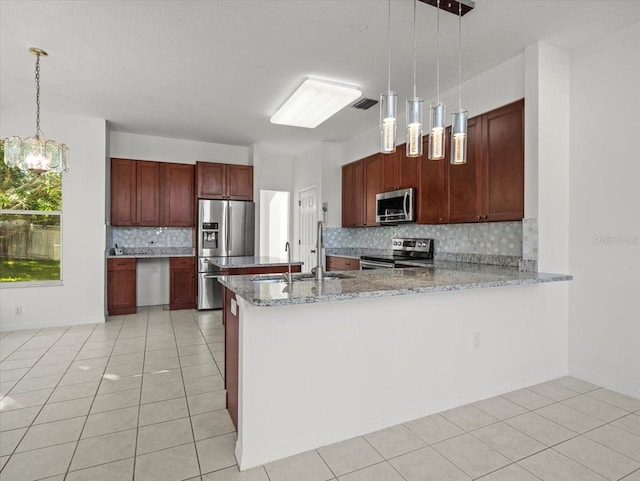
<point>388,104</point>
<point>459,117</point>
<point>437,110</point>
<point>414,108</point>
<point>36,153</point>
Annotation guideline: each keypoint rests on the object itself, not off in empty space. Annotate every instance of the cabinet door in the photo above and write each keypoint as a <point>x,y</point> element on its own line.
<point>231,353</point>
<point>348,219</point>
<point>430,208</point>
<point>408,169</point>
<point>211,180</point>
<point>464,182</point>
<point>358,193</point>
<point>351,264</point>
<point>123,192</point>
<point>239,182</point>
<point>373,184</point>
<point>121,286</point>
<point>179,196</point>
<point>391,174</point>
<point>335,263</point>
<point>182,290</point>
<point>148,193</point>
<point>503,132</point>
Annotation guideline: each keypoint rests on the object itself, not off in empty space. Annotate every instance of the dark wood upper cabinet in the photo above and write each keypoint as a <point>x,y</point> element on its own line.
<point>463,191</point>
<point>239,182</point>
<point>503,174</point>
<point>152,194</point>
<point>391,171</point>
<point>178,182</point>
<point>124,202</point>
<point>211,180</point>
<point>148,193</point>
<point>353,194</point>
<point>373,184</point>
<point>431,188</point>
<point>400,171</point>
<point>224,181</point>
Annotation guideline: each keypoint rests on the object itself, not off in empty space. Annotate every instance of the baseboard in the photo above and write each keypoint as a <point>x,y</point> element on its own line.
<point>20,326</point>
<point>610,383</point>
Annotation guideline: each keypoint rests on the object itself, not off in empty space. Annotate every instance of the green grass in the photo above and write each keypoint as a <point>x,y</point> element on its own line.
<point>25,270</point>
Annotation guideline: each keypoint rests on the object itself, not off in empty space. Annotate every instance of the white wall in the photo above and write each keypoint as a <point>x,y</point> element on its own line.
<point>604,305</point>
<point>147,147</point>
<point>272,170</point>
<point>353,367</point>
<point>81,297</point>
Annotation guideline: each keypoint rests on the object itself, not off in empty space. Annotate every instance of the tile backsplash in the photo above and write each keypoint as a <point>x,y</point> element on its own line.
<point>150,236</point>
<point>494,238</point>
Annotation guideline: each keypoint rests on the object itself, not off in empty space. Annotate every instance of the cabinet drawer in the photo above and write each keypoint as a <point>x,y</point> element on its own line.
<point>182,263</point>
<point>335,263</point>
<point>351,265</point>
<point>121,264</point>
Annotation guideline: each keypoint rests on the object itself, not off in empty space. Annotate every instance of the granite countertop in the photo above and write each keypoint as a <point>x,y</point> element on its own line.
<point>153,252</point>
<point>250,261</point>
<point>441,276</point>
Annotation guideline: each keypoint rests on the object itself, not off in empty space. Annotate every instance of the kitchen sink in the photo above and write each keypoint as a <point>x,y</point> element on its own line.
<point>299,277</point>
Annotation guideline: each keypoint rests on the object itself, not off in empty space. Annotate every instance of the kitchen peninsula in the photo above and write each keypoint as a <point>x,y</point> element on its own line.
<point>317,363</point>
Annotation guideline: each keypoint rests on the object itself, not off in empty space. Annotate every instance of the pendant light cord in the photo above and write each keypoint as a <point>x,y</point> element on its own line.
<point>459,55</point>
<point>38,132</point>
<point>389,46</point>
<point>438,52</point>
<point>414,49</point>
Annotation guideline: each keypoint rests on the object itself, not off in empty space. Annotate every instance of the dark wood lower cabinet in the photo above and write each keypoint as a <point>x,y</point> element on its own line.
<point>337,263</point>
<point>182,290</point>
<point>121,286</point>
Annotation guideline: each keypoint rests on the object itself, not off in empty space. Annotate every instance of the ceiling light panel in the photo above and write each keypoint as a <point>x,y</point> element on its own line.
<point>314,102</point>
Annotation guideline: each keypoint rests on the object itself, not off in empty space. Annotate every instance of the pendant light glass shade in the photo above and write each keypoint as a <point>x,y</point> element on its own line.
<point>36,153</point>
<point>414,127</point>
<point>388,115</point>
<point>458,137</point>
<point>436,135</point>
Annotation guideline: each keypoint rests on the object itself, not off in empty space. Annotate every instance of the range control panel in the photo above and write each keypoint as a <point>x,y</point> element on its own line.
<point>412,245</point>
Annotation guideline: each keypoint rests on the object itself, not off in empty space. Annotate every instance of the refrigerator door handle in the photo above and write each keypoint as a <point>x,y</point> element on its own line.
<point>229,224</point>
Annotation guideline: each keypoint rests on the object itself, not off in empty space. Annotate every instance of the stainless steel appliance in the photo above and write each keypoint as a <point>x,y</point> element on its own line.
<point>417,251</point>
<point>225,229</point>
<point>396,206</point>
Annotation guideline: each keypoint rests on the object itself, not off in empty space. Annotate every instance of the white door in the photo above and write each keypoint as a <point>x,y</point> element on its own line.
<point>308,226</point>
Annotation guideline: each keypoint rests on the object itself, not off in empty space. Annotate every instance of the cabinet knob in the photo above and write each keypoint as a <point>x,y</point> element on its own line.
<point>478,217</point>
<point>484,216</point>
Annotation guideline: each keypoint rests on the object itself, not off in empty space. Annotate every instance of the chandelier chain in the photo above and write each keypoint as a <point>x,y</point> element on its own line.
<point>460,55</point>
<point>438,51</point>
<point>414,50</point>
<point>389,46</point>
<point>38,131</point>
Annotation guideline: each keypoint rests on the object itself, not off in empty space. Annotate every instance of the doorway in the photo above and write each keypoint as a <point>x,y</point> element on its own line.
<point>274,223</point>
<point>308,202</point>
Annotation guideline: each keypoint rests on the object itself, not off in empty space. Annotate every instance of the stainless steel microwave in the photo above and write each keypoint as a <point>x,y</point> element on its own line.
<point>395,207</point>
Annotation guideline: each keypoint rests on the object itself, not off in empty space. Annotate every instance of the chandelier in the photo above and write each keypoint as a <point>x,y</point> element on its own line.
<point>36,154</point>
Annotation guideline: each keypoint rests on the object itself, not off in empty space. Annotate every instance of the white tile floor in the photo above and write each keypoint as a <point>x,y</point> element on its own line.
<point>142,398</point>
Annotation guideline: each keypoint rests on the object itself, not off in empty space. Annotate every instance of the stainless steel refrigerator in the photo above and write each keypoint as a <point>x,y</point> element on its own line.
<point>225,229</point>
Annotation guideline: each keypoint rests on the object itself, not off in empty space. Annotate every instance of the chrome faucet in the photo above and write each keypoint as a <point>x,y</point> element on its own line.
<point>287,249</point>
<point>319,272</point>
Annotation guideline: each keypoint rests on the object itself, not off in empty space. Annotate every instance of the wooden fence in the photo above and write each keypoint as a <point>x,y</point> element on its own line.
<point>22,239</point>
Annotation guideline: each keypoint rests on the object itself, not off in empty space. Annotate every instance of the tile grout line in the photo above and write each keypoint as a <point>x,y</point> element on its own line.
<point>66,473</point>
<point>144,357</point>
<point>48,397</point>
<point>193,435</point>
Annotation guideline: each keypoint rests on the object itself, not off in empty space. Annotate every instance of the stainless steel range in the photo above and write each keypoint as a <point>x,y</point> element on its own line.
<point>405,250</point>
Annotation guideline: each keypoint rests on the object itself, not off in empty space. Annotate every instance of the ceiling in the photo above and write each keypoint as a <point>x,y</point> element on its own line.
<point>217,70</point>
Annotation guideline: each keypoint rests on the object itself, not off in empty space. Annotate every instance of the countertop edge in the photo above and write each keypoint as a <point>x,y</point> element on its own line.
<point>547,278</point>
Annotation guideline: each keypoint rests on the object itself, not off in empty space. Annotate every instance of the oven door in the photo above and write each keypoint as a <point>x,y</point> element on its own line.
<point>368,264</point>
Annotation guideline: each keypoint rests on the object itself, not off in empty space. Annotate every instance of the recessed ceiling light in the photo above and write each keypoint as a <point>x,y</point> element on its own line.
<point>314,102</point>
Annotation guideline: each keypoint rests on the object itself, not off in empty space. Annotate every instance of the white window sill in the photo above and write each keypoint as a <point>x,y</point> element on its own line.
<point>12,285</point>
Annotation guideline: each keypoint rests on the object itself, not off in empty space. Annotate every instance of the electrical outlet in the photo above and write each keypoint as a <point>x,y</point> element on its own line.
<point>476,340</point>
<point>19,311</point>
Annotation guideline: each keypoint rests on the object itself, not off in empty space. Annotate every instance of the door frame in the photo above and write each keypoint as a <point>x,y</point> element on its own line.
<point>298,244</point>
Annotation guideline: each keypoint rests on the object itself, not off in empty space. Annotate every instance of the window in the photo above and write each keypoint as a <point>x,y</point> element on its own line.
<point>30,222</point>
